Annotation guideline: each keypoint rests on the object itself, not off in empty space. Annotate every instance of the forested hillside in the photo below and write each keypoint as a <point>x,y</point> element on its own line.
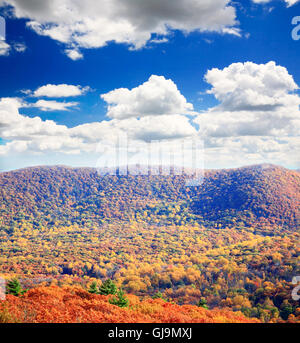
<point>231,243</point>
<point>47,194</point>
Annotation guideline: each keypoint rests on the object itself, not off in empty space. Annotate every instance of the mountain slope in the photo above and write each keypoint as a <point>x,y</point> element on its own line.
<point>48,194</point>
<point>265,190</point>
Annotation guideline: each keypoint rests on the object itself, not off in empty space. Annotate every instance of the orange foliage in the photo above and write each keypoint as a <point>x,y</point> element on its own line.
<point>75,305</point>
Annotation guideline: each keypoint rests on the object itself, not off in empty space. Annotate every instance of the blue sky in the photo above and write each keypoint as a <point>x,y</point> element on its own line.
<point>33,56</point>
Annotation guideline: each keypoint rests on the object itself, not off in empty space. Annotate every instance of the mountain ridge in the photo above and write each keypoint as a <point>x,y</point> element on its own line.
<point>261,191</point>
<point>63,166</point>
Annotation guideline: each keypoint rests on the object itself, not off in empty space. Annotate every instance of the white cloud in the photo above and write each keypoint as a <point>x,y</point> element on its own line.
<point>237,124</point>
<point>143,129</point>
<point>91,24</point>
<point>291,2</point>
<point>33,135</point>
<point>155,123</point>
<point>231,152</point>
<point>15,126</point>
<point>234,135</point>
<point>261,1</point>
<point>51,105</point>
<point>255,100</point>
<point>253,87</point>
<point>74,54</point>
<point>159,40</point>
<point>288,2</point>
<point>60,91</point>
<point>4,48</point>
<point>232,31</point>
<point>155,97</point>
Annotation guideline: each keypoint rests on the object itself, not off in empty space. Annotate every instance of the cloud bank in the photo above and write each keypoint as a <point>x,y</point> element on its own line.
<point>257,119</point>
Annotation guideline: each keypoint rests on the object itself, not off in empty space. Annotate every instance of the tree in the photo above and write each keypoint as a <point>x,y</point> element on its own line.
<point>108,287</point>
<point>94,288</point>
<point>120,299</point>
<point>285,310</point>
<point>158,295</point>
<point>14,287</point>
<point>203,303</point>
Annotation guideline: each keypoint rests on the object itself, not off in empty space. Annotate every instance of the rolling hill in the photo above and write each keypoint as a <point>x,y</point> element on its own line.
<point>249,195</point>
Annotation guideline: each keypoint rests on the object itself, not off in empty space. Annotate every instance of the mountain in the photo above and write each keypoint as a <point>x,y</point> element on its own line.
<point>249,195</point>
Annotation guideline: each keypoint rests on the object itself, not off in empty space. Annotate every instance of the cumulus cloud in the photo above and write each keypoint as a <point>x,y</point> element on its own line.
<point>91,24</point>
<point>51,105</point>
<point>255,100</point>
<point>59,91</point>
<point>253,87</point>
<point>234,135</point>
<point>158,96</point>
<point>15,126</point>
<point>147,124</point>
<point>33,135</point>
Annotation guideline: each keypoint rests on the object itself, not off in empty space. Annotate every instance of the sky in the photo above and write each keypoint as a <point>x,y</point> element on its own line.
<point>78,75</point>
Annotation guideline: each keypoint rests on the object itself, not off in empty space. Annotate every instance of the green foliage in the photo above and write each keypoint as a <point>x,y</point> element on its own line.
<point>94,288</point>
<point>158,295</point>
<point>286,309</point>
<point>120,299</point>
<point>108,287</point>
<point>203,303</point>
<point>14,287</point>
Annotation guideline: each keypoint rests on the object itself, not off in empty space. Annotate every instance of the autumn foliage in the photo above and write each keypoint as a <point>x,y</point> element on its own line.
<point>232,243</point>
<point>75,305</point>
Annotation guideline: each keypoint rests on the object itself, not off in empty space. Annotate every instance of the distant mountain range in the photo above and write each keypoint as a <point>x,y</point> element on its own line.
<point>252,194</point>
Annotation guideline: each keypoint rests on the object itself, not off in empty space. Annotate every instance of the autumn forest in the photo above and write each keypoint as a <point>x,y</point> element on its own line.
<point>76,246</point>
